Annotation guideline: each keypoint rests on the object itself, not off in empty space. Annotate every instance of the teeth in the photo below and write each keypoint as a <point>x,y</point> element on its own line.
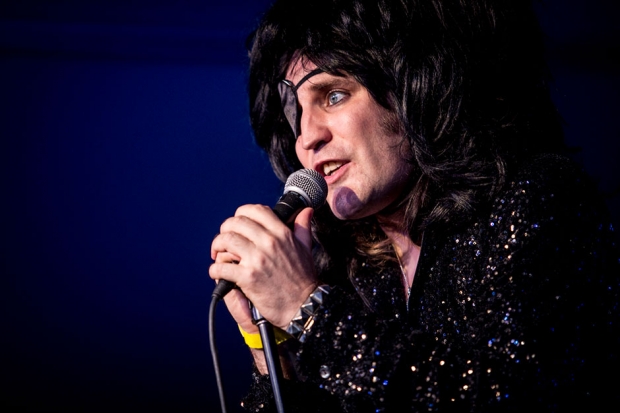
<point>330,167</point>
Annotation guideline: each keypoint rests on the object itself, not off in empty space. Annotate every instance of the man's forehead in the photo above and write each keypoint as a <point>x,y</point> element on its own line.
<point>306,75</point>
<point>298,69</point>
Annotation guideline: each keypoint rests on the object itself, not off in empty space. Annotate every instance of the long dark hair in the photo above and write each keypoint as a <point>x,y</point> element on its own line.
<point>465,79</point>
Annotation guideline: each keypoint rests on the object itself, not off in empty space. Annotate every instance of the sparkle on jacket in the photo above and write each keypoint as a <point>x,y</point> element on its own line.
<point>517,309</point>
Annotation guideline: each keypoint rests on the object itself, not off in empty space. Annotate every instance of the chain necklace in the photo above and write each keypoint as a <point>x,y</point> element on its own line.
<point>405,281</point>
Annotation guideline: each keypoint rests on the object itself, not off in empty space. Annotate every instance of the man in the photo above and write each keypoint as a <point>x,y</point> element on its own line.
<point>462,262</point>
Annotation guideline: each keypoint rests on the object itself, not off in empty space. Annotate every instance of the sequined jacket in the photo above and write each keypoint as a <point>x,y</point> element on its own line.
<point>515,310</point>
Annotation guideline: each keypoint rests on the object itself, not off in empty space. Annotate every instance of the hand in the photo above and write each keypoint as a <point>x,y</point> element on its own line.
<point>271,265</point>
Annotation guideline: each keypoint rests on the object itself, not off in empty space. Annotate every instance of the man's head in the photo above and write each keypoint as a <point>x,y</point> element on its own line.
<point>318,32</point>
<point>461,82</point>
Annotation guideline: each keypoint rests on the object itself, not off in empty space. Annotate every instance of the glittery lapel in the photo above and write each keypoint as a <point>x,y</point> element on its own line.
<point>381,289</point>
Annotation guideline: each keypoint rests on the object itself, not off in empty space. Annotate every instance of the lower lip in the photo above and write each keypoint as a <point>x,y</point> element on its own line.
<point>337,174</point>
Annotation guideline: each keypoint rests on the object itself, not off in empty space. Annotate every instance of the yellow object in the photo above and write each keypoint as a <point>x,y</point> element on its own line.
<point>254,340</point>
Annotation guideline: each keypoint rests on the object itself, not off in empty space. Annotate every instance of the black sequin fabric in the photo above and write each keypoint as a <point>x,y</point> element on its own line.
<point>515,311</point>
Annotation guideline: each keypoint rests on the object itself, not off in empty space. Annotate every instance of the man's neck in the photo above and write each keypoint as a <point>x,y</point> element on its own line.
<point>407,251</point>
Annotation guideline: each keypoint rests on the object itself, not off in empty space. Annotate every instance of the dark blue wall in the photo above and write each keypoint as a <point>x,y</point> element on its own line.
<point>124,142</point>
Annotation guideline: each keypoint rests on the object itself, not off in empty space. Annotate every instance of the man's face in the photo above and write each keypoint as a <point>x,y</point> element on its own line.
<point>345,137</point>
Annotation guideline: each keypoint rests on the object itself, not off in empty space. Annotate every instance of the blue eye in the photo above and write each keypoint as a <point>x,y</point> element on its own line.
<point>335,97</point>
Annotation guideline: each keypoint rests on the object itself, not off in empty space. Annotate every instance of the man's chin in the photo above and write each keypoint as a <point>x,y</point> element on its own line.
<point>345,204</point>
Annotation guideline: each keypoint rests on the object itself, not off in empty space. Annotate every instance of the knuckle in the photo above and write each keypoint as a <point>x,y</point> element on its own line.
<point>228,223</point>
<point>253,274</point>
<point>244,210</point>
<point>260,261</point>
<point>271,244</point>
<point>214,271</point>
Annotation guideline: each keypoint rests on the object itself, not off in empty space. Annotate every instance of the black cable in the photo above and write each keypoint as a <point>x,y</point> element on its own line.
<point>216,364</point>
<point>267,338</point>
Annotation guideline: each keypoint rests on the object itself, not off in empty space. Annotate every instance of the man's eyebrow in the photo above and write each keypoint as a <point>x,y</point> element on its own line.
<point>330,83</point>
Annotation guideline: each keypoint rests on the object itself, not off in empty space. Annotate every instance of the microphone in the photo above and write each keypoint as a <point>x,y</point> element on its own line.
<point>303,188</point>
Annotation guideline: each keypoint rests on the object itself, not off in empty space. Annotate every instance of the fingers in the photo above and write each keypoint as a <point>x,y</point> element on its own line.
<point>252,225</point>
<point>231,245</point>
<point>255,222</point>
<point>225,256</point>
<point>260,213</point>
<point>223,271</point>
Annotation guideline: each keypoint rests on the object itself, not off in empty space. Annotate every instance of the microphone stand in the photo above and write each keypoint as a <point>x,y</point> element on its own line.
<point>271,355</point>
<point>303,188</point>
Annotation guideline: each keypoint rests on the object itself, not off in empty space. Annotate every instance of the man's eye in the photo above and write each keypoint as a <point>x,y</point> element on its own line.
<point>335,97</point>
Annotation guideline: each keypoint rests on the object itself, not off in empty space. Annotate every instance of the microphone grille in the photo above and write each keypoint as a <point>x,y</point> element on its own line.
<point>309,184</point>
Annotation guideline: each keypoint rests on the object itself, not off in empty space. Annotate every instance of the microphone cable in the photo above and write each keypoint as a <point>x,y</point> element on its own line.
<point>267,337</point>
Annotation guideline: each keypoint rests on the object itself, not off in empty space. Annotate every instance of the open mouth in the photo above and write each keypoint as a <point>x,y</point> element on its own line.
<point>330,167</point>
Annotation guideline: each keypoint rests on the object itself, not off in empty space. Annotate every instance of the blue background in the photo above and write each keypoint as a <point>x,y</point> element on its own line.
<point>124,143</point>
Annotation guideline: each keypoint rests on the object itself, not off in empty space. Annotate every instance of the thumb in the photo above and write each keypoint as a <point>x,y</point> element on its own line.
<point>302,227</point>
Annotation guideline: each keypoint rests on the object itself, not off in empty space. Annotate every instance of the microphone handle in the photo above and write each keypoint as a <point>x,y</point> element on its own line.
<point>288,206</point>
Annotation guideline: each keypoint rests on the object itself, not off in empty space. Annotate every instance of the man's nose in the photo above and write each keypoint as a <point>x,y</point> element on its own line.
<point>314,129</point>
